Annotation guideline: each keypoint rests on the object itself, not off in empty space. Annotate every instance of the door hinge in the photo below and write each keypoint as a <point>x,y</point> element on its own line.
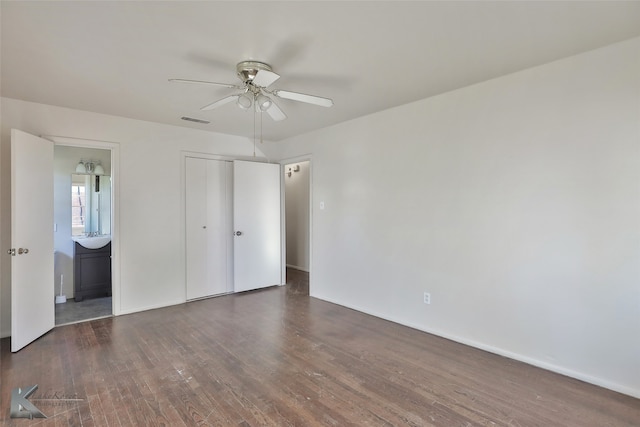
<point>12,252</point>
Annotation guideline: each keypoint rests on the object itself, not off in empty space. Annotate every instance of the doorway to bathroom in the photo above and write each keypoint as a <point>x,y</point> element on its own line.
<point>33,232</point>
<point>82,233</point>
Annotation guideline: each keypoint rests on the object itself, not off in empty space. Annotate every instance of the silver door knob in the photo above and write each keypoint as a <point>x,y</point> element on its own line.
<point>238,233</point>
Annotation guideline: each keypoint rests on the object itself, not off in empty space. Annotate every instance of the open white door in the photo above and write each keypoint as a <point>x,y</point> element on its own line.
<point>256,221</point>
<point>32,281</point>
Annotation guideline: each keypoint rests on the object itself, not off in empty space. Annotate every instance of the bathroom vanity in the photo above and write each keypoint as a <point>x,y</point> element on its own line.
<point>92,271</point>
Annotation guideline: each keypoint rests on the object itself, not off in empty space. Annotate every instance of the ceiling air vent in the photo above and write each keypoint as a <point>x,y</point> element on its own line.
<point>191,119</point>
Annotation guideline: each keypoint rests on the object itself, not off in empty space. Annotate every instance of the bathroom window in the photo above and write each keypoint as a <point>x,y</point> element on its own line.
<point>78,209</point>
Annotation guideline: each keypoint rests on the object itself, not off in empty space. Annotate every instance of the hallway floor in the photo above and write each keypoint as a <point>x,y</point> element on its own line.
<point>297,281</point>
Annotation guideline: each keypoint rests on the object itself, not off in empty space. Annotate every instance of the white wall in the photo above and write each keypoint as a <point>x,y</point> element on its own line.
<point>514,202</point>
<point>297,215</point>
<point>150,207</point>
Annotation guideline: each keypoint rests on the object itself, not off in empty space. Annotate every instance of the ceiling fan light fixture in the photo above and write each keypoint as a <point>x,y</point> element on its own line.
<point>244,101</point>
<point>256,77</point>
<point>263,103</point>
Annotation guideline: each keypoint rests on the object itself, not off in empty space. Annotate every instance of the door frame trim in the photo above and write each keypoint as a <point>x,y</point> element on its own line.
<point>114,147</point>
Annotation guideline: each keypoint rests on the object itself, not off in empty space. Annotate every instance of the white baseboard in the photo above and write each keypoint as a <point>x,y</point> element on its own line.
<point>499,351</point>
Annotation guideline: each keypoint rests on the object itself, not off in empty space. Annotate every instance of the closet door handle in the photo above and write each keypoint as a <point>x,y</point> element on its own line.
<point>238,233</point>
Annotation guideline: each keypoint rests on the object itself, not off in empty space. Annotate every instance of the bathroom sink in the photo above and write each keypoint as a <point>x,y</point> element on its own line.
<point>96,242</point>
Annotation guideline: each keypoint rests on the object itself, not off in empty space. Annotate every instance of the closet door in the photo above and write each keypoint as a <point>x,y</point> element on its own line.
<point>256,220</point>
<point>208,228</point>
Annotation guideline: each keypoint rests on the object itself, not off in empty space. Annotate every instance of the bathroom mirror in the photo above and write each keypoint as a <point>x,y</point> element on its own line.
<point>90,204</point>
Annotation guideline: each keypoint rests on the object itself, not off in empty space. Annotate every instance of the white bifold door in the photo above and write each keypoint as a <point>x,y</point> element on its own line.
<point>233,226</point>
<point>32,278</point>
<point>256,222</point>
<point>209,227</point>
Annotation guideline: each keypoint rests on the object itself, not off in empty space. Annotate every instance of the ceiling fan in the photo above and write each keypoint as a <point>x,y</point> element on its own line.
<point>256,78</point>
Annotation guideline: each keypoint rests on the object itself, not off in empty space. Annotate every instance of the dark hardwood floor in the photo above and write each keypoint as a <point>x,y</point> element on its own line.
<point>278,358</point>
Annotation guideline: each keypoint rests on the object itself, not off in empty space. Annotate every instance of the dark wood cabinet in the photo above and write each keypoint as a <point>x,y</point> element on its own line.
<point>91,272</point>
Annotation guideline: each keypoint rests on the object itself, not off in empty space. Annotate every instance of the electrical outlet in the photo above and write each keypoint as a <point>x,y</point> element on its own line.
<point>427,298</point>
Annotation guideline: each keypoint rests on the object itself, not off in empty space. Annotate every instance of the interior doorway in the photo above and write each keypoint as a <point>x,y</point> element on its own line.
<point>297,195</point>
<point>34,227</point>
<point>85,233</point>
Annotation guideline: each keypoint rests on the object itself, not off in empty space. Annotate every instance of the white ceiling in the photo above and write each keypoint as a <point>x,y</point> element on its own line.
<point>116,57</point>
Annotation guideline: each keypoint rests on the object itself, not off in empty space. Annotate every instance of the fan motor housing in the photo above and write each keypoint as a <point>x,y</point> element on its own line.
<point>247,70</point>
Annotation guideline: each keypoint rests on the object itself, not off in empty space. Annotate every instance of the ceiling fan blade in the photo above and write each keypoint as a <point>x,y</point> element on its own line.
<point>200,82</point>
<point>220,102</point>
<point>309,99</point>
<point>265,78</point>
<point>276,113</point>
